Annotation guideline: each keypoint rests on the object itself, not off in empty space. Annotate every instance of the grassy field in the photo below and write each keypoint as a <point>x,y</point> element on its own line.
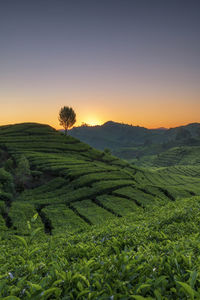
<point>78,223</point>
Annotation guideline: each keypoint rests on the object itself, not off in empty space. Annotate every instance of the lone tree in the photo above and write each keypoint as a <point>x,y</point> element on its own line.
<point>67,117</point>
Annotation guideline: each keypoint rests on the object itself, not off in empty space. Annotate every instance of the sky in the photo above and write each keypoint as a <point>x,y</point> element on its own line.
<point>130,61</point>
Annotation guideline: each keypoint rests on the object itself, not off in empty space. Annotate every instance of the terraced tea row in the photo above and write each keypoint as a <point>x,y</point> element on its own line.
<point>147,255</point>
<point>72,184</point>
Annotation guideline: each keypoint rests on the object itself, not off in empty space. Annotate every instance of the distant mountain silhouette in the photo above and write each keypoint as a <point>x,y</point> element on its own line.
<point>115,135</point>
<point>163,128</point>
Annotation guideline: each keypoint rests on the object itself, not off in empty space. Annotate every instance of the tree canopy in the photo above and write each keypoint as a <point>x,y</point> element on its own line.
<point>67,117</point>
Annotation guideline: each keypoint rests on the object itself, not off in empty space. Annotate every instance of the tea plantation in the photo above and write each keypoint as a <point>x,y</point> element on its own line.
<point>78,223</point>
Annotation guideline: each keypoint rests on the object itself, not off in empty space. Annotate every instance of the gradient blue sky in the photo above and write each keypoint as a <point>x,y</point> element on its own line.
<point>132,61</point>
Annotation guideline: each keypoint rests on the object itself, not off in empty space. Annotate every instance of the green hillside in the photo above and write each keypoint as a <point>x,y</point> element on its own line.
<point>66,182</point>
<point>179,156</point>
<point>71,183</point>
<point>115,135</point>
<point>79,223</point>
<point>138,143</point>
<point>183,155</point>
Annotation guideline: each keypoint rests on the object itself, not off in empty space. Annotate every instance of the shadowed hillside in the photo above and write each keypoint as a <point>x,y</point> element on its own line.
<point>134,142</point>
<point>115,135</point>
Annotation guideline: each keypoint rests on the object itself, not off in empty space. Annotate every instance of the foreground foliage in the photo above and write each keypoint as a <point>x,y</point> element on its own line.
<point>154,255</point>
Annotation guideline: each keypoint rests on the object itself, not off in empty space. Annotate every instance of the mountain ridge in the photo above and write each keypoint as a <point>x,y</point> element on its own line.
<point>130,142</point>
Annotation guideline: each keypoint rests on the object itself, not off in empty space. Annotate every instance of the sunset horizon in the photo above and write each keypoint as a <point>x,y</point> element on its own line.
<point>95,123</point>
<point>132,62</point>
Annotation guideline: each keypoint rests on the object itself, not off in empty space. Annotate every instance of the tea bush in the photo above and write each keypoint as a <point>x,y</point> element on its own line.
<point>91,226</point>
<point>149,255</point>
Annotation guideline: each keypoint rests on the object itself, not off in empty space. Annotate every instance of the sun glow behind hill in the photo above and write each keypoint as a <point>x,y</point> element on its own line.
<point>92,121</point>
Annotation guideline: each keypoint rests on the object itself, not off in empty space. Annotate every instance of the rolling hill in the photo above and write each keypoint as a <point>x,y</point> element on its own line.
<point>71,183</point>
<point>134,142</point>
<point>79,223</point>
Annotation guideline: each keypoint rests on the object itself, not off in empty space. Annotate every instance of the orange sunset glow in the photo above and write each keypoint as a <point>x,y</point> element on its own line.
<point>147,74</point>
<point>146,113</point>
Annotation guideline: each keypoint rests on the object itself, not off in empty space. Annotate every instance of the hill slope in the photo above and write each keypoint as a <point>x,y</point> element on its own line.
<point>118,231</point>
<point>71,185</point>
<point>151,255</point>
<point>133,142</point>
<point>115,135</point>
